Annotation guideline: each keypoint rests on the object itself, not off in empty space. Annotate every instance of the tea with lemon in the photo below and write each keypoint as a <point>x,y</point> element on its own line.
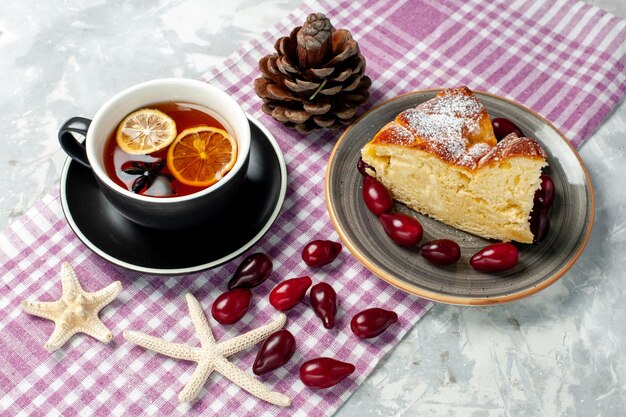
<point>169,150</point>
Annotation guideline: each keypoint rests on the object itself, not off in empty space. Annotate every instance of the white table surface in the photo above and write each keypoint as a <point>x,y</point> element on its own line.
<point>561,352</point>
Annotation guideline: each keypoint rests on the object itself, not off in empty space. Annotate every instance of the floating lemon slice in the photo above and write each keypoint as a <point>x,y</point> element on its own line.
<point>201,155</point>
<point>145,131</point>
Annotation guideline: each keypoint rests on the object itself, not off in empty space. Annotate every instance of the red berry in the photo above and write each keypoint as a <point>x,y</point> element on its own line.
<point>231,306</point>
<point>539,224</point>
<point>362,166</point>
<point>274,352</point>
<point>372,322</point>
<point>324,372</point>
<point>544,196</point>
<point>441,252</point>
<point>376,196</point>
<point>290,292</point>
<point>320,252</point>
<point>324,303</point>
<point>403,229</point>
<point>495,258</point>
<point>252,271</point>
<point>503,127</point>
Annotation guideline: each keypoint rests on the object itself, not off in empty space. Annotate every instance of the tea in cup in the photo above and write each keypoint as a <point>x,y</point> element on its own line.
<point>168,153</point>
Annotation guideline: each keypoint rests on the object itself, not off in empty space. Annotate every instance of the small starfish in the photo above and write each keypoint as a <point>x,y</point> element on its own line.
<point>76,311</point>
<point>212,356</point>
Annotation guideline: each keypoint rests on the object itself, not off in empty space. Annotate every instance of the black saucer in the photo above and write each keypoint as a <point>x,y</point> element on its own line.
<point>109,234</point>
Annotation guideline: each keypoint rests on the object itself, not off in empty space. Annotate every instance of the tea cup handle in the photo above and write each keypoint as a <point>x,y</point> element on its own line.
<point>70,144</point>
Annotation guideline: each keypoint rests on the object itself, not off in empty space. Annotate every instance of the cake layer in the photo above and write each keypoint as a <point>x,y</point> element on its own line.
<point>493,202</point>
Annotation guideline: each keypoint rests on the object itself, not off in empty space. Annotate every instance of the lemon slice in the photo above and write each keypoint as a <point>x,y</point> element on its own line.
<point>145,131</point>
<point>201,155</point>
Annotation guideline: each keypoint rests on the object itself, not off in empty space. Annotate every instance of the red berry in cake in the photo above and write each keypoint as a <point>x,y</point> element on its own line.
<point>320,252</point>
<point>372,322</point>
<point>362,166</point>
<point>503,127</point>
<point>324,372</point>
<point>252,271</point>
<point>376,196</point>
<point>274,352</point>
<point>324,303</point>
<point>539,224</point>
<point>231,306</point>
<point>544,196</point>
<point>441,251</point>
<point>289,293</point>
<point>403,229</point>
<point>495,258</point>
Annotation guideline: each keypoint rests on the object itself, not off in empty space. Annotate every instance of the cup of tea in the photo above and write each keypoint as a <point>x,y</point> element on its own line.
<point>167,154</point>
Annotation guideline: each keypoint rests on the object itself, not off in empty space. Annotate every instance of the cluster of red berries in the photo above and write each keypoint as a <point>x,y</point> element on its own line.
<point>406,230</point>
<point>280,346</point>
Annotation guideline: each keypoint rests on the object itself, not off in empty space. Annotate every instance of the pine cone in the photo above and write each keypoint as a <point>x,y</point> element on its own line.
<point>315,79</point>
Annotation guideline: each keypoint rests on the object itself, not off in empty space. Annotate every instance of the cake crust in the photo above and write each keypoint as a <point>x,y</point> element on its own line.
<point>454,125</point>
<point>513,146</point>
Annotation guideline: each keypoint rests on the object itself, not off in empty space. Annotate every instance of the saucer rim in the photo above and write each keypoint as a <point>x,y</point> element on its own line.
<point>196,268</point>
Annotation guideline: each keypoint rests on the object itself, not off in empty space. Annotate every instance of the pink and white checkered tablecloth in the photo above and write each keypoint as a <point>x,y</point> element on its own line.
<point>564,59</point>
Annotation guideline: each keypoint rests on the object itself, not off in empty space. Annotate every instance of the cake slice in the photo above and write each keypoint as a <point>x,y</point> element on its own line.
<point>442,159</point>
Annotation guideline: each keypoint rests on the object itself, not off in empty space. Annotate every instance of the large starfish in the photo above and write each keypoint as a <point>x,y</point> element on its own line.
<point>76,311</point>
<point>212,356</point>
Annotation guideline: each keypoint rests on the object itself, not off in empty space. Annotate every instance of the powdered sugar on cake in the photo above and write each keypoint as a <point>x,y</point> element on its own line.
<point>445,122</point>
<point>479,150</point>
<point>399,134</point>
<point>440,130</point>
<point>453,125</point>
<point>453,103</point>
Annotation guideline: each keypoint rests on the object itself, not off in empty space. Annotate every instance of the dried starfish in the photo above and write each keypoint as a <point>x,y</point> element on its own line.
<point>76,311</point>
<point>212,356</point>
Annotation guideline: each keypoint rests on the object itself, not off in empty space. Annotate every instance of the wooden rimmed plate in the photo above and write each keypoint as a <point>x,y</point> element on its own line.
<point>571,216</point>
